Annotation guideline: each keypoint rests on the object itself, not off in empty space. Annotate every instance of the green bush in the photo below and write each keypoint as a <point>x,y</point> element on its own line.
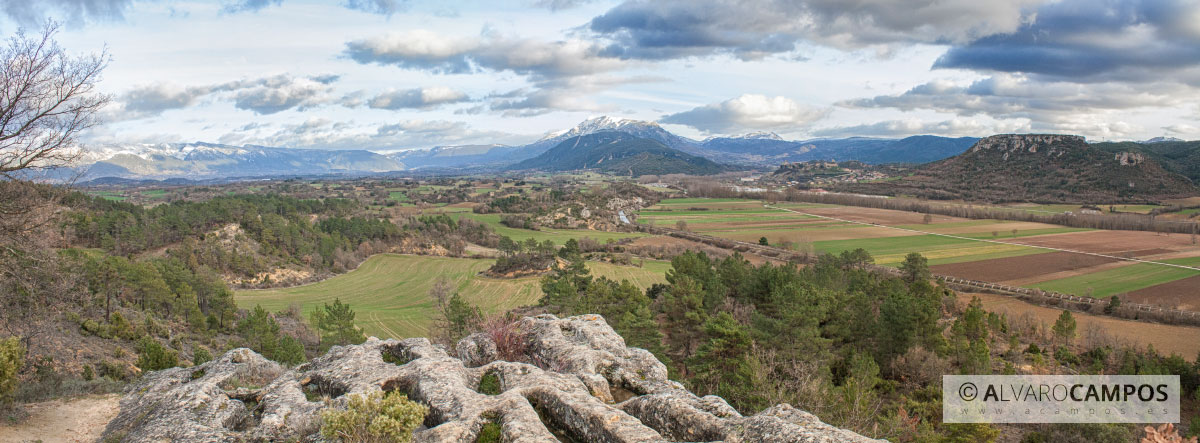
<point>152,356</point>
<point>290,351</point>
<point>112,370</point>
<point>12,358</point>
<point>201,356</point>
<point>120,327</point>
<point>374,417</point>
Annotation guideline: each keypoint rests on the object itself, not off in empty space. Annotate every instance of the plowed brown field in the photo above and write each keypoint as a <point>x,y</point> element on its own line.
<point>1183,293</point>
<point>1013,268</point>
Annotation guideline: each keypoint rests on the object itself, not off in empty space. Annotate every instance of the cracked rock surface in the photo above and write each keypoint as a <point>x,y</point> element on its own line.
<point>577,381</point>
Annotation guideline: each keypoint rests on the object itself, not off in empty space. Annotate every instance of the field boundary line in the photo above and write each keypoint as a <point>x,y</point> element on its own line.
<point>958,237</point>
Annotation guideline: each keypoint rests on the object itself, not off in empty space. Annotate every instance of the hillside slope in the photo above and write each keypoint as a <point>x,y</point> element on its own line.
<point>1180,157</point>
<point>621,154</point>
<point>1038,168</point>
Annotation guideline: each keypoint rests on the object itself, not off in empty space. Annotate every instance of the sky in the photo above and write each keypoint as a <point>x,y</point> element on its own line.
<point>389,75</point>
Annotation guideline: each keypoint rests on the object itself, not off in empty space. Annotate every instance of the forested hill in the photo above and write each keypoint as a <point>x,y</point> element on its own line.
<point>1039,168</point>
<point>1180,157</point>
<point>620,154</point>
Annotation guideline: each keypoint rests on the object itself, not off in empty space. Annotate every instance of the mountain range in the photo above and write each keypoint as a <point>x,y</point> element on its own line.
<point>207,160</point>
<point>759,149</point>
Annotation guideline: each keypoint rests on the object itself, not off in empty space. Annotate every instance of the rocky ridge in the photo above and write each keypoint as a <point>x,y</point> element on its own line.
<point>574,380</point>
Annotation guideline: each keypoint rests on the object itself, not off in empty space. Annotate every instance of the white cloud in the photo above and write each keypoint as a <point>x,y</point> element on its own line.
<point>418,98</point>
<point>749,111</point>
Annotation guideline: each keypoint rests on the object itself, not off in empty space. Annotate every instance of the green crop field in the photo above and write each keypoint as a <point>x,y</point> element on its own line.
<point>891,245</point>
<point>155,193</point>
<point>938,249</point>
<point>1120,280</point>
<point>389,292</point>
<point>703,213</point>
<point>108,195</point>
<point>976,255</point>
<point>699,201</point>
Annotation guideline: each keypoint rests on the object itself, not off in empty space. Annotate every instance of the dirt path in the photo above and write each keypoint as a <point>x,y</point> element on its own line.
<point>1167,339</point>
<point>74,420</point>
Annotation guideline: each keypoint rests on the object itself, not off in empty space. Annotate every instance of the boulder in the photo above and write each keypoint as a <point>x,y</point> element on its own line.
<point>576,380</point>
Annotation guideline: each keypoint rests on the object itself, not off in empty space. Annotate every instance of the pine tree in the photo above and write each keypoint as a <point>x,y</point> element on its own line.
<point>336,325</point>
<point>915,268</point>
<point>1064,327</point>
<point>721,363</point>
<point>685,316</point>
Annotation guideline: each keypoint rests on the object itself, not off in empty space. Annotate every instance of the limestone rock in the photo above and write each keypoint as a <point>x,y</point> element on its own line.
<point>577,380</point>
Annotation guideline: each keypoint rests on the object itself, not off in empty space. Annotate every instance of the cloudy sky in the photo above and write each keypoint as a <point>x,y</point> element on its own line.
<point>400,74</point>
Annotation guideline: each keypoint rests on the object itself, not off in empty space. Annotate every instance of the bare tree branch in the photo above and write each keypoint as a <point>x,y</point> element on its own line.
<point>47,98</point>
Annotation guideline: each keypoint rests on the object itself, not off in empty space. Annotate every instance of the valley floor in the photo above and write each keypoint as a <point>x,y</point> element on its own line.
<point>1142,267</point>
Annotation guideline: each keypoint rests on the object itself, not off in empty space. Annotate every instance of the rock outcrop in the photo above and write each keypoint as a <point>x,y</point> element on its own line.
<point>576,381</point>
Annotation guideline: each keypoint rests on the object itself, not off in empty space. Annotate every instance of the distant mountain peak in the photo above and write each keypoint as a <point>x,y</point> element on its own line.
<point>757,135</point>
<point>619,152</point>
<point>1161,140</point>
<point>603,123</point>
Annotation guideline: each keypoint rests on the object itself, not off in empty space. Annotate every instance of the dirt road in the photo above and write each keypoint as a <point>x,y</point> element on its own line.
<point>73,420</point>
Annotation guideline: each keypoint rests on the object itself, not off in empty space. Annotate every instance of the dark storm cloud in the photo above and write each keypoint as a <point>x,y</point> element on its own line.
<point>1128,40</point>
<point>753,29</point>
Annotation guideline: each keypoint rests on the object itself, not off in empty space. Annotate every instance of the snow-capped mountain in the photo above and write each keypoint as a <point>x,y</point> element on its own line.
<point>1161,140</point>
<point>454,156</point>
<point>207,160</point>
<point>500,155</point>
<point>759,135</point>
<point>636,128</point>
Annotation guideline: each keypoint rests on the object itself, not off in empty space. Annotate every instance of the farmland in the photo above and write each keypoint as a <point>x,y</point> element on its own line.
<point>1078,261</point>
<point>389,292</point>
<point>558,236</point>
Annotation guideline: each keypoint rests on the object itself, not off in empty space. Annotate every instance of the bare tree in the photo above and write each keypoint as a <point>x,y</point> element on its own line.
<point>47,97</point>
